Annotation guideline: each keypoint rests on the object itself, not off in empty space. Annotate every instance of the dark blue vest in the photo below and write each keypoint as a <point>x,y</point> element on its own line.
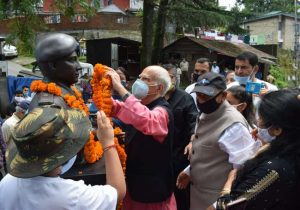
<point>149,171</point>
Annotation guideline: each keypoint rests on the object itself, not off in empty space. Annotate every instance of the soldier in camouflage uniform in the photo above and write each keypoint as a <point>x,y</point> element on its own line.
<point>48,138</point>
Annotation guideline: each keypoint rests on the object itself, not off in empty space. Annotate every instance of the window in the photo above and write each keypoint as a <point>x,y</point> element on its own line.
<point>122,20</point>
<point>40,4</point>
<point>79,18</point>
<point>69,3</point>
<point>52,19</point>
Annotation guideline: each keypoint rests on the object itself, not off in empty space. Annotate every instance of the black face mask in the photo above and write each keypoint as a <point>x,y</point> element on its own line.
<point>209,106</point>
<point>195,77</point>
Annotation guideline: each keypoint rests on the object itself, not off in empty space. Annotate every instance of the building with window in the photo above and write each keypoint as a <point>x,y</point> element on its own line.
<point>275,28</point>
<point>114,18</point>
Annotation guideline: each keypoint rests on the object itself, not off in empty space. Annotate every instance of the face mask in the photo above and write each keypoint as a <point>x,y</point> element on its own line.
<point>25,94</point>
<point>140,89</point>
<point>241,80</point>
<point>68,165</point>
<point>195,77</point>
<point>19,99</point>
<point>209,106</point>
<point>264,134</point>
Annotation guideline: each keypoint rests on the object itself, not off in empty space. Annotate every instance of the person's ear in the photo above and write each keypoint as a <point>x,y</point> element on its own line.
<point>275,131</point>
<point>222,97</point>
<point>242,107</point>
<point>160,88</point>
<point>255,70</point>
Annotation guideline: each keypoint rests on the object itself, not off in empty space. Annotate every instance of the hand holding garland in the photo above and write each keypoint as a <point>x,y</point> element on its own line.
<point>116,82</point>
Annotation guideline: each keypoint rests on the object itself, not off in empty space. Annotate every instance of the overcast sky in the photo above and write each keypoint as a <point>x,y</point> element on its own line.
<point>227,3</point>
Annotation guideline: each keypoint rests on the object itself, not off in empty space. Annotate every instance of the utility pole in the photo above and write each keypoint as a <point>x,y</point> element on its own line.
<point>296,45</point>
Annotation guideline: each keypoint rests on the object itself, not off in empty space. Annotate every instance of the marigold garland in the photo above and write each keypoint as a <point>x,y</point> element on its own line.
<point>73,101</point>
<point>92,150</point>
<point>101,85</point>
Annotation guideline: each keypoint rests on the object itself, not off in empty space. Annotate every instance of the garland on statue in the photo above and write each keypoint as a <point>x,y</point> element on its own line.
<point>93,150</point>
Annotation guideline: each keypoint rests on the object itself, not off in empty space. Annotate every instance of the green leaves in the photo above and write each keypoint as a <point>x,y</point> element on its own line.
<point>258,7</point>
<point>25,23</point>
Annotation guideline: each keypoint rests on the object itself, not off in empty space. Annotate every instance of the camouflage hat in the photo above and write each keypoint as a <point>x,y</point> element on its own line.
<point>46,138</point>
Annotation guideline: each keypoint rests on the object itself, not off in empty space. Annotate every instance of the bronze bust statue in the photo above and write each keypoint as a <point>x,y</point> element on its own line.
<point>57,59</point>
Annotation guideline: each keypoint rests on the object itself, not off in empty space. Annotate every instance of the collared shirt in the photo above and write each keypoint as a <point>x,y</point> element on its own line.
<point>8,127</point>
<point>189,90</point>
<point>238,143</point>
<point>149,122</point>
<point>215,69</point>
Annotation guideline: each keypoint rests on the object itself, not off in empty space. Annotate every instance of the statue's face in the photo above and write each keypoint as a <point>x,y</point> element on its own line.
<point>67,70</point>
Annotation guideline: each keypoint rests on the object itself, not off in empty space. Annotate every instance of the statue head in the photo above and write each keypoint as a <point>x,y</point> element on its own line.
<point>56,56</point>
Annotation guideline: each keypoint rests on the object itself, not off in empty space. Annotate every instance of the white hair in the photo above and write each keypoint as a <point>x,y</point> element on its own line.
<point>161,77</point>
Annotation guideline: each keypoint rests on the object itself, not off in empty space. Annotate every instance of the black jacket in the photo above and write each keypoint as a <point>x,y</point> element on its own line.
<point>185,115</point>
<point>280,194</point>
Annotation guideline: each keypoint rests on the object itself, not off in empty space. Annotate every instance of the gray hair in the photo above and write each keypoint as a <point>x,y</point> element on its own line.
<point>170,67</point>
<point>161,77</point>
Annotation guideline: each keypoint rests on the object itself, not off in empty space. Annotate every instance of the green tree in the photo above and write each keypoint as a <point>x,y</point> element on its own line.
<point>283,72</point>
<point>25,23</point>
<point>185,14</point>
<point>257,7</point>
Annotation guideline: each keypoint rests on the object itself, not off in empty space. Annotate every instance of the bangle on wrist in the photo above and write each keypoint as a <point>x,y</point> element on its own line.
<point>109,147</point>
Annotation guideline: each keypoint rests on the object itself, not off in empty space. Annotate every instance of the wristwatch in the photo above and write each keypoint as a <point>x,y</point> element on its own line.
<point>125,96</point>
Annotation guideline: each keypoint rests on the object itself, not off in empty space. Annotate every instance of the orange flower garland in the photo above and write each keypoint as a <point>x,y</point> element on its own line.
<point>102,89</point>
<point>92,150</point>
<point>72,101</point>
<point>102,86</point>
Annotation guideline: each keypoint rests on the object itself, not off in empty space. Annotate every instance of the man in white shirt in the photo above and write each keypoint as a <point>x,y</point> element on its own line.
<point>215,68</point>
<point>46,143</point>
<point>222,141</point>
<point>201,67</point>
<point>246,66</point>
<point>10,123</point>
<point>184,66</point>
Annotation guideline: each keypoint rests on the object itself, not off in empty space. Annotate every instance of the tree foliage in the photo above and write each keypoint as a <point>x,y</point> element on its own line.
<point>185,15</point>
<point>25,23</point>
<point>283,72</point>
<point>257,7</point>
<point>190,14</point>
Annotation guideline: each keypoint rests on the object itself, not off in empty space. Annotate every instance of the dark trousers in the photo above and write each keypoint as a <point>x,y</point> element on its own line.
<point>182,196</point>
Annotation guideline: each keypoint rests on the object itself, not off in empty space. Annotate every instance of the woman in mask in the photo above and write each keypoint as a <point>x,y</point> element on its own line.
<point>270,180</point>
<point>242,101</point>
